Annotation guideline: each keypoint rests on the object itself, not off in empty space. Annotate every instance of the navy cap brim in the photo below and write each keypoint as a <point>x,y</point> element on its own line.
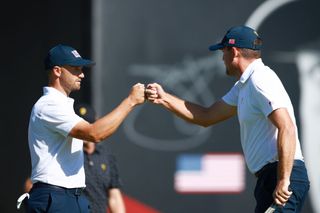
<point>216,47</point>
<point>82,62</point>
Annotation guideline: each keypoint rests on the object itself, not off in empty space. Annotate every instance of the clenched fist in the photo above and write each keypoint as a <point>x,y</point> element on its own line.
<point>154,93</point>
<point>137,94</point>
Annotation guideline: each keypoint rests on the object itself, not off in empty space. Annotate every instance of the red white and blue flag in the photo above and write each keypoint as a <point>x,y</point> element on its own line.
<point>210,173</point>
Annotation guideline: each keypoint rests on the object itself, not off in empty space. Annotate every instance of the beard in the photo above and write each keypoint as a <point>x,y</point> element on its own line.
<point>228,72</point>
<point>76,86</point>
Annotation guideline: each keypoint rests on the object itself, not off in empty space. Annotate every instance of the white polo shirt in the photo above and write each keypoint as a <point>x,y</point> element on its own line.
<point>56,158</point>
<point>258,92</point>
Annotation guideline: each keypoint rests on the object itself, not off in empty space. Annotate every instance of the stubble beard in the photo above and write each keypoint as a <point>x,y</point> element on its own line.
<point>228,73</point>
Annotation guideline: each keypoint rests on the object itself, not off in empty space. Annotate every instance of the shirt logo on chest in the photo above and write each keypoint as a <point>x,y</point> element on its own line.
<point>103,167</point>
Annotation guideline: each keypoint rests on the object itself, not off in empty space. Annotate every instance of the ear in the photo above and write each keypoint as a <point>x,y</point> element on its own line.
<point>235,51</point>
<point>56,70</point>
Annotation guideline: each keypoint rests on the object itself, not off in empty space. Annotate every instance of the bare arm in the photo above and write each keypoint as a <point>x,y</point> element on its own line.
<point>108,124</point>
<point>194,113</point>
<point>27,185</point>
<point>116,203</point>
<point>286,150</point>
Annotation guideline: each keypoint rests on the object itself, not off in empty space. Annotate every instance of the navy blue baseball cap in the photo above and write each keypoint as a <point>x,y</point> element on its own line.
<point>239,36</point>
<point>65,55</point>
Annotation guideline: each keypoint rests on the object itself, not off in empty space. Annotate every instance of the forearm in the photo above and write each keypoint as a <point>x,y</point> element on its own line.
<point>117,206</point>
<point>286,145</point>
<point>105,126</point>
<point>115,202</point>
<point>194,113</point>
<point>186,110</point>
<point>286,151</point>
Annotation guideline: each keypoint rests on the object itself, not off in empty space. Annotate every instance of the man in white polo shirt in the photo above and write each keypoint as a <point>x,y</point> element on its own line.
<point>56,135</point>
<point>269,135</point>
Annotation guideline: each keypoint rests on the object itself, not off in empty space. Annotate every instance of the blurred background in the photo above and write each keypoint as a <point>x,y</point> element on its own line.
<point>166,164</point>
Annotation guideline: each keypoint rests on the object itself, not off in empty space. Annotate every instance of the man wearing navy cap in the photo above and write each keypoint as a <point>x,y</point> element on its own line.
<point>56,135</point>
<point>269,136</point>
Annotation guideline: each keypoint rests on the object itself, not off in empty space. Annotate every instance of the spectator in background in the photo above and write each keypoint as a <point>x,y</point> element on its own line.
<point>102,177</point>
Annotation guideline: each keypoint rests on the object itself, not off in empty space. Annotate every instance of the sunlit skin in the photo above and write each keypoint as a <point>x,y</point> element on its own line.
<point>227,59</point>
<point>72,76</point>
<point>236,62</point>
<point>64,68</point>
<point>66,78</point>
<point>89,147</point>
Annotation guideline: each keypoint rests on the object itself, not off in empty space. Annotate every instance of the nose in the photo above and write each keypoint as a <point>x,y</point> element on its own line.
<point>81,75</point>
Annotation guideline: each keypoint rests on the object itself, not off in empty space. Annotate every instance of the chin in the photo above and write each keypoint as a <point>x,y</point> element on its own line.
<point>77,87</point>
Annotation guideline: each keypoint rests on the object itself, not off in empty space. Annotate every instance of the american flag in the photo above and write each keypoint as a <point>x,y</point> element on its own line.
<point>232,41</point>
<point>210,173</point>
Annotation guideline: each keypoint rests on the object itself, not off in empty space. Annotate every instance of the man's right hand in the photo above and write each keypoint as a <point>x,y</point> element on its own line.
<point>155,93</point>
<point>137,94</point>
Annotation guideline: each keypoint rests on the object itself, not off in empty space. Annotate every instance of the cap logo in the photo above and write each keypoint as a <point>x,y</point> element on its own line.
<point>76,54</point>
<point>232,41</point>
